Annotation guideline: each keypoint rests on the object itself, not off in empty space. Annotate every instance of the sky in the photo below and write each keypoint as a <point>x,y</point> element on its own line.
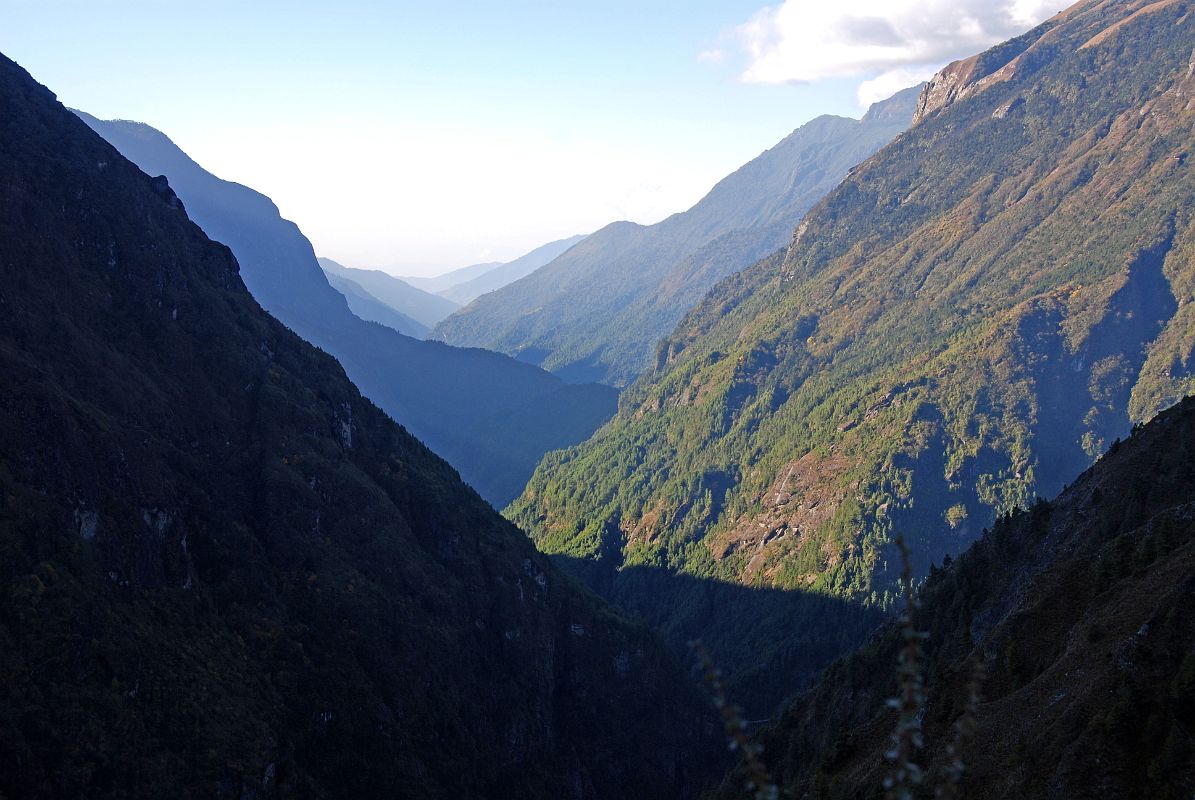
<point>424,136</point>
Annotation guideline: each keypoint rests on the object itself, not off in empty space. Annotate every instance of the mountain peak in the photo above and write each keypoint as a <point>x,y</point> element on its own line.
<point>897,108</point>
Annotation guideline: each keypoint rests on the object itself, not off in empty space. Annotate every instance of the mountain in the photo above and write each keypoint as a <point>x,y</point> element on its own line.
<point>438,283</point>
<point>488,415</point>
<point>502,274</point>
<point>964,324</point>
<point>1079,611</point>
<point>598,311</point>
<point>224,573</point>
<point>369,308</point>
<point>424,307</point>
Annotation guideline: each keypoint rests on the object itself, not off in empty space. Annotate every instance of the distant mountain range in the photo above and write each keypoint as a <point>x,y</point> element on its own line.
<point>225,573</point>
<point>413,298</point>
<point>490,416</point>
<point>597,312</point>
<point>370,308</point>
<point>502,274</point>
<point>438,283</point>
<point>424,307</point>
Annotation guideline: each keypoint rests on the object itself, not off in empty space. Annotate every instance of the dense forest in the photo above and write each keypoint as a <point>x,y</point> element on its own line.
<point>897,499</point>
<point>1055,658</point>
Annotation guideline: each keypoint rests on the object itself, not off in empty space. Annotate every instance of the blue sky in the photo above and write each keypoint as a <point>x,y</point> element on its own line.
<point>435,134</point>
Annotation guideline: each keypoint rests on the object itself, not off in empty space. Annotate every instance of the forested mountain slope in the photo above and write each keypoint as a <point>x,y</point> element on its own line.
<point>965,323</point>
<point>1079,612</point>
<point>488,415</point>
<point>224,573</point>
<point>598,311</point>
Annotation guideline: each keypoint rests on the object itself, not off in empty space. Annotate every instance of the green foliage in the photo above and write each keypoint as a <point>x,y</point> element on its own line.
<point>1063,711</point>
<point>955,515</point>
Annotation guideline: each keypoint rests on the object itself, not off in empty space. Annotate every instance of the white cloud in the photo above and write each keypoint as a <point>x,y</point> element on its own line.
<point>892,81</point>
<point>802,41</point>
<point>714,55</point>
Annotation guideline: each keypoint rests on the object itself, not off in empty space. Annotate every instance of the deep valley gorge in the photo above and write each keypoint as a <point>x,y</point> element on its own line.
<point>869,475</point>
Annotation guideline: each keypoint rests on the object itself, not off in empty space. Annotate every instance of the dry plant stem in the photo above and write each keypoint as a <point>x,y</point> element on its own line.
<point>906,775</point>
<point>759,783</point>
<point>964,732</point>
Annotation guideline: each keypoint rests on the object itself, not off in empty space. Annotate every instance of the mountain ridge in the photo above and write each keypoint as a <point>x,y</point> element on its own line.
<point>446,280</point>
<point>508,272</point>
<point>369,308</point>
<point>225,573</point>
<point>597,312</point>
<point>426,308</point>
<point>966,322</point>
<point>490,416</point>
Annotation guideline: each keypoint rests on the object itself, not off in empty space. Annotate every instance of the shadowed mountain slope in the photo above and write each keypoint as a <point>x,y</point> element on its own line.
<point>488,415</point>
<point>962,325</point>
<point>1080,612</point>
<point>224,573</point>
<point>598,311</point>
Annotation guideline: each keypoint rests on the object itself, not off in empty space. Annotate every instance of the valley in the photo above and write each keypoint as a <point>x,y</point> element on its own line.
<point>869,475</point>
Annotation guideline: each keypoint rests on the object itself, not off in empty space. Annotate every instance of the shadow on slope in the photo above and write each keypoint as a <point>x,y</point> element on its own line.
<point>1079,609</point>
<point>770,643</point>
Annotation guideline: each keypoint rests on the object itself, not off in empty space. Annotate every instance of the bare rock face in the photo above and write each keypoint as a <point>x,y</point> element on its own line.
<point>969,76</point>
<point>946,87</point>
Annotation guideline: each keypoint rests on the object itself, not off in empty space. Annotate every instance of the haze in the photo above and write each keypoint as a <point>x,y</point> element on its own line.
<point>424,136</point>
